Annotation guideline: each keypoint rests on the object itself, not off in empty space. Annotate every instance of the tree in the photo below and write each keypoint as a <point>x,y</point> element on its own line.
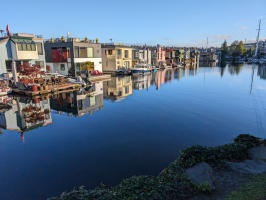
<point>224,49</point>
<point>241,48</point>
<point>234,46</point>
<point>87,66</point>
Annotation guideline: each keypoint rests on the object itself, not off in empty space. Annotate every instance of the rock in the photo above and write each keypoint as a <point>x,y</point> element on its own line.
<point>200,173</point>
<point>258,153</point>
<point>248,166</point>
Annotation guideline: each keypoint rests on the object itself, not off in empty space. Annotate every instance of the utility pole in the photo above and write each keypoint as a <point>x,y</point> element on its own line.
<point>207,44</point>
<point>258,37</point>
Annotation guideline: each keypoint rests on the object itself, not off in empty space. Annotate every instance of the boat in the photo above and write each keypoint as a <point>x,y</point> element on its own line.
<point>122,72</point>
<point>78,80</point>
<point>141,68</point>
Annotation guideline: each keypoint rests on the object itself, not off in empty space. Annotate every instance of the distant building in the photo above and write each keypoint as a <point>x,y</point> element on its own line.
<point>179,55</point>
<point>169,56</point>
<point>208,56</point>
<point>116,56</point>
<point>141,55</point>
<point>66,56</point>
<point>261,46</point>
<point>21,48</point>
<point>160,59</point>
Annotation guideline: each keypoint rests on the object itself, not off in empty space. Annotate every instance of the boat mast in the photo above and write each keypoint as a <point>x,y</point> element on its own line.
<point>257,45</point>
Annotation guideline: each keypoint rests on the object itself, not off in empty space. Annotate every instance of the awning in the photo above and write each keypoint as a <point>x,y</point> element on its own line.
<point>22,40</point>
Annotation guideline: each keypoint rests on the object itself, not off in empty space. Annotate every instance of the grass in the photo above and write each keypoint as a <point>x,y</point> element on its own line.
<point>254,190</point>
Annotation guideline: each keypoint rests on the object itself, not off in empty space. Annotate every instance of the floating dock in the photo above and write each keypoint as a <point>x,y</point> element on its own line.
<point>67,87</point>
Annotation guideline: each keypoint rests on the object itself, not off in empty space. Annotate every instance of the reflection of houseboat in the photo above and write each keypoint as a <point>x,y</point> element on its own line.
<point>117,88</point>
<point>25,114</point>
<point>79,103</point>
<point>142,82</point>
<point>4,87</point>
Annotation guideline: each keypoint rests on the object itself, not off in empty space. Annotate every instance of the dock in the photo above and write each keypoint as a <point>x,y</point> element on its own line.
<point>103,77</point>
<point>67,87</point>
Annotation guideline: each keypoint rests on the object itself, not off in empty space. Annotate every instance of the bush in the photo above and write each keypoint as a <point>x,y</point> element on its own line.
<point>248,140</point>
<point>215,156</point>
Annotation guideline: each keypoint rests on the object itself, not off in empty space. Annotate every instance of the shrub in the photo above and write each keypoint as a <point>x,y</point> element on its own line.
<point>248,140</point>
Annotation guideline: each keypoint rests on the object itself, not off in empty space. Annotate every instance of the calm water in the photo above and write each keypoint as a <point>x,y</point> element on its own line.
<point>127,126</point>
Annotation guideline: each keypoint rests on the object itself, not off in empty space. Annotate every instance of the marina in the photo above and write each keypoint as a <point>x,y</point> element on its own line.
<point>168,111</point>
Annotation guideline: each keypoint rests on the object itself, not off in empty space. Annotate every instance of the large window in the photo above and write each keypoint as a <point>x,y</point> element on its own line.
<point>76,52</point>
<point>62,67</point>
<point>9,65</point>
<point>126,53</point>
<point>110,52</point>
<point>39,47</point>
<point>26,47</point>
<point>89,52</point>
<point>83,52</point>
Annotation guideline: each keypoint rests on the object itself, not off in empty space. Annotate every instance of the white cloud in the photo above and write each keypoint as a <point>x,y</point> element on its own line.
<point>243,27</point>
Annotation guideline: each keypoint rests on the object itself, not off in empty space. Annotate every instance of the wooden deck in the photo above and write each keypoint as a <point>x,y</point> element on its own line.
<point>67,87</point>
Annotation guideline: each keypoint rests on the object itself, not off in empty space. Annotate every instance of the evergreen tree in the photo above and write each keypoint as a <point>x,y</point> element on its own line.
<point>224,49</point>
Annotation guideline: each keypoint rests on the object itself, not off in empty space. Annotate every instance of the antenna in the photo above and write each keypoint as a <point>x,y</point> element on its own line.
<point>258,37</point>
<point>207,44</point>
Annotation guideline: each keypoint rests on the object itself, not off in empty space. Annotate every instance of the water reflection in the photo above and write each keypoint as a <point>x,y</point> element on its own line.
<point>234,69</point>
<point>186,112</point>
<point>141,82</point>
<point>117,88</point>
<point>23,114</point>
<point>79,103</point>
<point>262,71</point>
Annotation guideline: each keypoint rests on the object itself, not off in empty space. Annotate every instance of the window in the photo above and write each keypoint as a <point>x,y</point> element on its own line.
<point>19,47</point>
<point>40,63</point>
<point>106,63</point>
<point>28,47</point>
<point>98,51</point>
<point>33,47</point>
<point>110,52</point>
<point>24,47</point>
<point>83,52</point>
<point>9,65</point>
<point>126,89</point>
<point>40,49</point>
<point>76,52</point>
<point>90,52</point>
<point>62,67</point>
<point>126,53</point>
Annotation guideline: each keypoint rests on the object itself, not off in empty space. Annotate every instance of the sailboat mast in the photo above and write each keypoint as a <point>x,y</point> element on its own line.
<point>257,45</point>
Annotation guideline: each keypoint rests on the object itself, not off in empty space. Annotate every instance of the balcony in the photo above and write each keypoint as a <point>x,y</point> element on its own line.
<point>111,57</point>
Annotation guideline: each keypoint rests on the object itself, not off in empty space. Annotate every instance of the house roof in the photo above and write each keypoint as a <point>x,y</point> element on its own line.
<point>22,40</point>
<point>3,39</point>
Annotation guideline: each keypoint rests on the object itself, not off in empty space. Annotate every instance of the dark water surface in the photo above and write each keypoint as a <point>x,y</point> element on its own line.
<point>129,126</point>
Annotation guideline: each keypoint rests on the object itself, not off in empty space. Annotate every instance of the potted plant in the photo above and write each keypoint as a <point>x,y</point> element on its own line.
<point>31,72</point>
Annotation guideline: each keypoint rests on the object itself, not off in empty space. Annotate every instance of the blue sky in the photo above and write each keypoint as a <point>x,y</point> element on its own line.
<point>172,22</point>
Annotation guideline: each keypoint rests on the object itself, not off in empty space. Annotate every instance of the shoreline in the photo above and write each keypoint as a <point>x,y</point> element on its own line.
<point>174,181</point>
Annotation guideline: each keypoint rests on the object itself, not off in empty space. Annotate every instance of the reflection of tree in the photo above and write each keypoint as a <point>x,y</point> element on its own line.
<point>222,69</point>
<point>234,69</point>
<point>262,71</point>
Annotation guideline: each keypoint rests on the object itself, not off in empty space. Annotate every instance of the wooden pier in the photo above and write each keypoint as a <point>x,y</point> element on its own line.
<point>67,87</point>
